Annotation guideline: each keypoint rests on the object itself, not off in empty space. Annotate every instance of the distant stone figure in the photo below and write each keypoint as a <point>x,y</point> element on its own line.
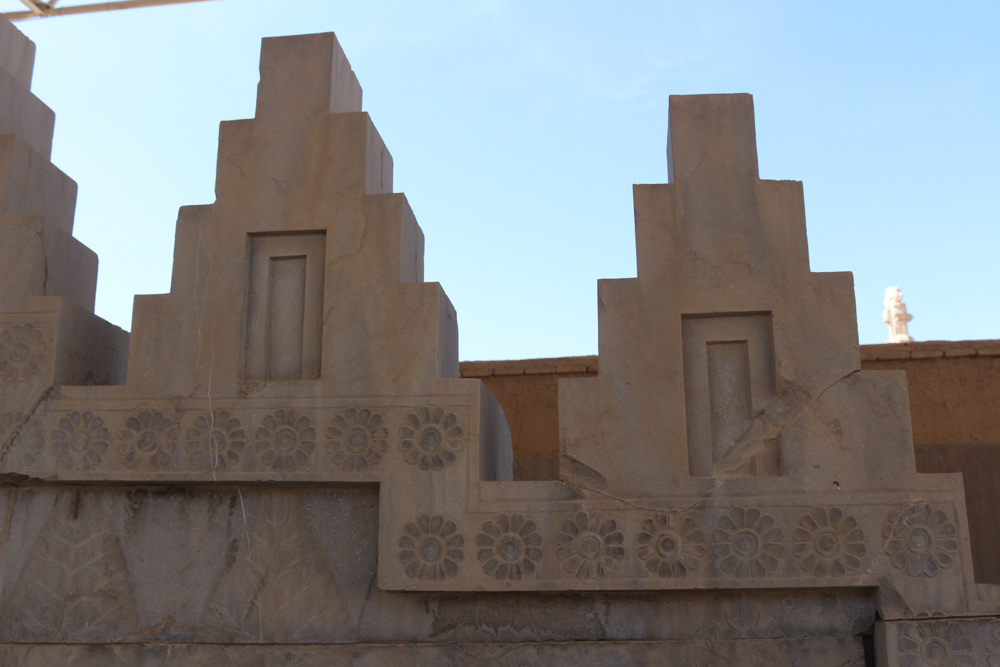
<point>895,316</point>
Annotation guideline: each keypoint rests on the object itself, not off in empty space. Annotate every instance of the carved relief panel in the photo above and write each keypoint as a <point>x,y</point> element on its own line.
<point>728,377</point>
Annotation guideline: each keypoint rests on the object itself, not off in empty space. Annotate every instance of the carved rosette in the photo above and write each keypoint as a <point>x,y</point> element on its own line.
<point>920,540</point>
<point>430,548</point>
<point>828,543</point>
<point>939,644</point>
<point>285,440</point>
<point>356,440</point>
<point>590,546</point>
<point>147,440</point>
<point>80,440</point>
<point>431,438</point>
<point>216,441</point>
<point>22,352</point>
<point>748,543</point>
<point>22,435</point>
<point>509,547</point>
<point>670,545</point>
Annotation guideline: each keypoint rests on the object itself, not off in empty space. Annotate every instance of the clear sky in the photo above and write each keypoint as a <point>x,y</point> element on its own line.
<point>517,129</point>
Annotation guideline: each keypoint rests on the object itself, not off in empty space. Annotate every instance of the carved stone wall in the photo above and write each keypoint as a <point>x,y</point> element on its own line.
<point>953,390</point>
<point>292,472</point>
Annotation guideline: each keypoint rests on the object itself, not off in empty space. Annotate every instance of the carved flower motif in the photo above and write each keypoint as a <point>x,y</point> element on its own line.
<point>993,645</point>
<point>939,644</point>
<point>147,440</point>
<point>430,438</point>
<point>920,540</point>
<point>79,440</point>
<point>286,439</point>
<point>357,440</point>
<point>22,351</point>
<point>431,548</point>
<point>509,547</point>
<point>589,547</point>
<point>748,543</point>
<point>670,546</point>
<point>216,441</point>
<point>26,441</point>
<point>827,543</point>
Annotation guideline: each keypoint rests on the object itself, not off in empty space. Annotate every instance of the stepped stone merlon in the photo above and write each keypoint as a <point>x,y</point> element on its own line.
<point>21,113</point>
<point>49,279</point>
<point>722,258</point>
<point>37,200</point>
<point>723,216</point>
<point>309,177</point>
<point>308,114</point>
<point>17,53</point>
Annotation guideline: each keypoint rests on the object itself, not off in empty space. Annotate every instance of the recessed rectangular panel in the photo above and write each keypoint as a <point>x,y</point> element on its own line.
<point>728,378</point>
<point>284,323</point>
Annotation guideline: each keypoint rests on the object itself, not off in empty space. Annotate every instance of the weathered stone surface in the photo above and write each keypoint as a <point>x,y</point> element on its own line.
<point>251,565</point>
<point>835,652</point>
<point>292,471</point>
<point>48,332</point>
<point>939,641</point>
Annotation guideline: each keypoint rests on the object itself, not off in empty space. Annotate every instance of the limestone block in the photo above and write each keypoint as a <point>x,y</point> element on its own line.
<point>48,333</point>
<point>36,222</point>
<point>17,53</point>
<point>294,461</point>
<point>839,652</point>
<point>22,114</point>
<point>717,249</point>
<point>248,565</point>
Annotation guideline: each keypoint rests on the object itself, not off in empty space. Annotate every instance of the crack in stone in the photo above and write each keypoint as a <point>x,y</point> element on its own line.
<point>28,414</point>
<point>769,424</point>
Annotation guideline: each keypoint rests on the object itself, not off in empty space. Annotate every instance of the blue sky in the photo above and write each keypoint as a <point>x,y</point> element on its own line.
<point>518,128</point>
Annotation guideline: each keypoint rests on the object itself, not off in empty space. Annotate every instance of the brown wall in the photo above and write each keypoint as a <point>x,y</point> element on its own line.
<point>954,388</point>
<point>955,408</point>
<point>954,402</point>
<point>528,390</point>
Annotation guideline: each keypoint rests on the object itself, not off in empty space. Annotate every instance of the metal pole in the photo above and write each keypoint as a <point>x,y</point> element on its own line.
<point>41,10</point>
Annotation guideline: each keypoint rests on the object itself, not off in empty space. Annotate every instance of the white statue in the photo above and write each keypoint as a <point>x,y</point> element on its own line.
<point>895,316</point>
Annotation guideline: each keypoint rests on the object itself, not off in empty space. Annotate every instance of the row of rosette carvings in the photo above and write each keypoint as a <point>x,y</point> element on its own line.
<point>231,440</point>
<point>837,545</point>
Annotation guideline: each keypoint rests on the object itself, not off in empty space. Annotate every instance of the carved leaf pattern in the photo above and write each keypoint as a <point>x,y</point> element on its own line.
<point>75,587</point>
<point>277,586</point>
